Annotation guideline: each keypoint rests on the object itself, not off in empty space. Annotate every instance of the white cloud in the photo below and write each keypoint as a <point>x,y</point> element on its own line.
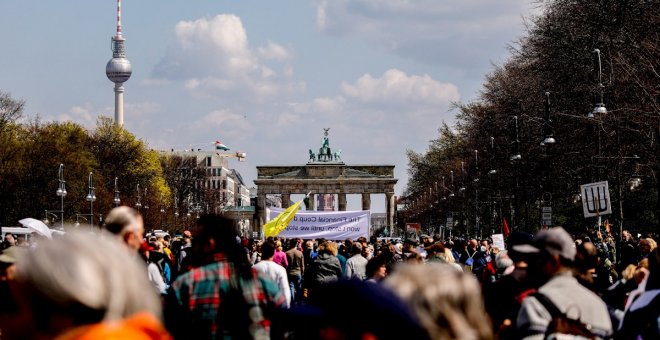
<point>432,31</point>
<point>225,119</point>
<point>81,114</point>
<point>155,82</point>
<point>397,86</point>
<point>212,57</point>
<point>274,51</point>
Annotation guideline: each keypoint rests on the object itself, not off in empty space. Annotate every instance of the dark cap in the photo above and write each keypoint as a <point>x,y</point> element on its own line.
<point>555,241</point>
<point>410,241</point>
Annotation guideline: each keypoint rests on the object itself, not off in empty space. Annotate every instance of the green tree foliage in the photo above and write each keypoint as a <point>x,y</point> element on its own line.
<point>557,56</point>
<point>32,152</point>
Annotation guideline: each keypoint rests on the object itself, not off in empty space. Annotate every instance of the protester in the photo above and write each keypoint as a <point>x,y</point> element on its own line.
<point>296,270</point>
<point>274,271</point>
<point>555,253</point>
<point>356,265</point>
<point>222,296</point>
<point>280,256</point>
<point>376,269</point>
<point>325,268</point>
<point>504,297</point>
<point>70,288</point>
<point>127,225</point>
<point>447,302</point>
<point>642,319</point>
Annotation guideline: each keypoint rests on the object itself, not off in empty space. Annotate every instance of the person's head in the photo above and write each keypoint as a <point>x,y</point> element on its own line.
<point>625,235</point>
<point>447,302</point>
<point>214,234</point>
<point>293,243</point>
<point>472,244</point>
<point>654,270</point>
<point>126,223</point>
<point>309,245</point>
<point>376,268</point>
<point>503,262</point>
<point>647,245</point>
<point>328,247</point>
<point>268,250</point>
<point>554,252</point>
<point>9,240</point>
<point>8,258</point>
<point>75,280</point>
<point>356,248</point>
<point>278,245</point>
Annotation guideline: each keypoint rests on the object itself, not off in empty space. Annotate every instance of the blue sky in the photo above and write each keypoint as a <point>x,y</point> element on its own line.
<point>263,76</point>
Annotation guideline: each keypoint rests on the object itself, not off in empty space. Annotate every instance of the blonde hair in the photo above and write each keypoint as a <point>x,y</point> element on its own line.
<point>90,271</point>
<point>447,302</point>
<point>328,247</point>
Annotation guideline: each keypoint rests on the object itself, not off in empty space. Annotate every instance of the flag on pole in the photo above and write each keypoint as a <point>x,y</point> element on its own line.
<point>220,146</point>
<point>505,228</point>
<point>279,223</point>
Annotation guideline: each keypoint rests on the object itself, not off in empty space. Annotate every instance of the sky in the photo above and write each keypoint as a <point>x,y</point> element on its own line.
<point>263,76</point>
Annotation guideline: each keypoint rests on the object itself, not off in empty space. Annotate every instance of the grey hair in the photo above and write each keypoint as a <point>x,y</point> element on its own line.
<point>447,302</point>
<point>121,220</point>
<point>502,260</point>
<point>95,272</point>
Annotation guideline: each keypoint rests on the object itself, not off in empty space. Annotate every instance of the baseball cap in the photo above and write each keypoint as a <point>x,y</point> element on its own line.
<point>555,241</point>
<point>11,254</point>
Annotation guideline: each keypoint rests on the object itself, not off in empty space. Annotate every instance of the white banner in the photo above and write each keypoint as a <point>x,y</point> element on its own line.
<point>596,199</point>
<point>330,225</point>
<point>498,241</point>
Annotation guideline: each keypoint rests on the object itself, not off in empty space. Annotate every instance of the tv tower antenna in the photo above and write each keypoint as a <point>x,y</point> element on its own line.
<point>118,68</point>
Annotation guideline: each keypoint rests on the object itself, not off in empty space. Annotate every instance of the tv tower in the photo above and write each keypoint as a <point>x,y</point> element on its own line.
<point>118,69</point>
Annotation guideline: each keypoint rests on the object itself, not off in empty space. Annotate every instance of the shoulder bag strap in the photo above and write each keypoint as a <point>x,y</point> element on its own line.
<point>547,304</point>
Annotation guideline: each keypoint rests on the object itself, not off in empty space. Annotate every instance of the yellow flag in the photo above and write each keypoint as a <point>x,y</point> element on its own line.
<point>279,223</point>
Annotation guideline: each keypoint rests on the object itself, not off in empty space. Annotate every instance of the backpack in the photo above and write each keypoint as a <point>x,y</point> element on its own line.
<point>562,326</point>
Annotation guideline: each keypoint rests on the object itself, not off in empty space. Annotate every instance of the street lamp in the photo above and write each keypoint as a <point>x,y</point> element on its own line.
<point>78,217</point>
<point>116,200</point>
<point>138,204</point>
<point>61,191</point>
<point>146,199</point>
<point>161,209</point>
<point>600,107</point>
<point>516,155</point>
<point>91,197</point>
<point>492,170</point>
<point>547,123</point>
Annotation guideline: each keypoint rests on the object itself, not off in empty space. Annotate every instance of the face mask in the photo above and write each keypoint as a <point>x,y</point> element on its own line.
<point>483,248</point>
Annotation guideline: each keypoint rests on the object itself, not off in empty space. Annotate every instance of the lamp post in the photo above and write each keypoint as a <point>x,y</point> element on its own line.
<point>492,170</point>
<point>116,200</point>
<point>78,217</point>
<point>91,197</point>
<point>476,193</point>
<point>61,192</point>
<point>548,137</point>
<point>600,107</point>
<point>138,204</point>
<point>162,210</point>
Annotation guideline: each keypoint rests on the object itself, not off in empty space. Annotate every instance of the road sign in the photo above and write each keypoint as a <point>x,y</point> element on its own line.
<point>596,199</point>
<point>547,209</point>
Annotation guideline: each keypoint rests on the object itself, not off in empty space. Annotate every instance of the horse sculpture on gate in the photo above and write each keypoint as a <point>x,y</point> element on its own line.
<point>325,152</point>
<point>337,155</point>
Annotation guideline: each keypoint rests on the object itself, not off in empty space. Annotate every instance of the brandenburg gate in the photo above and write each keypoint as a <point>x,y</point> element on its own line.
<point>326,173</point>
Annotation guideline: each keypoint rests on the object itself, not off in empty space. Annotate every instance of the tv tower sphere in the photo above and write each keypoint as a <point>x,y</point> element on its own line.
<point>118,69</point>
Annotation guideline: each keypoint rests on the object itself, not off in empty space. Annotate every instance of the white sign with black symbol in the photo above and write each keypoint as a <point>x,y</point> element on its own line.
<point>596,199</point>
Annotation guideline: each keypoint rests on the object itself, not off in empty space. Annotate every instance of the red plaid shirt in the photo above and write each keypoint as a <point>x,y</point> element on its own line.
<point>201,292</point>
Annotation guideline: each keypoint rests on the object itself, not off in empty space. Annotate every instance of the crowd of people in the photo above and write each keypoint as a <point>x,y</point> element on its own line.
<point>208,283</point>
